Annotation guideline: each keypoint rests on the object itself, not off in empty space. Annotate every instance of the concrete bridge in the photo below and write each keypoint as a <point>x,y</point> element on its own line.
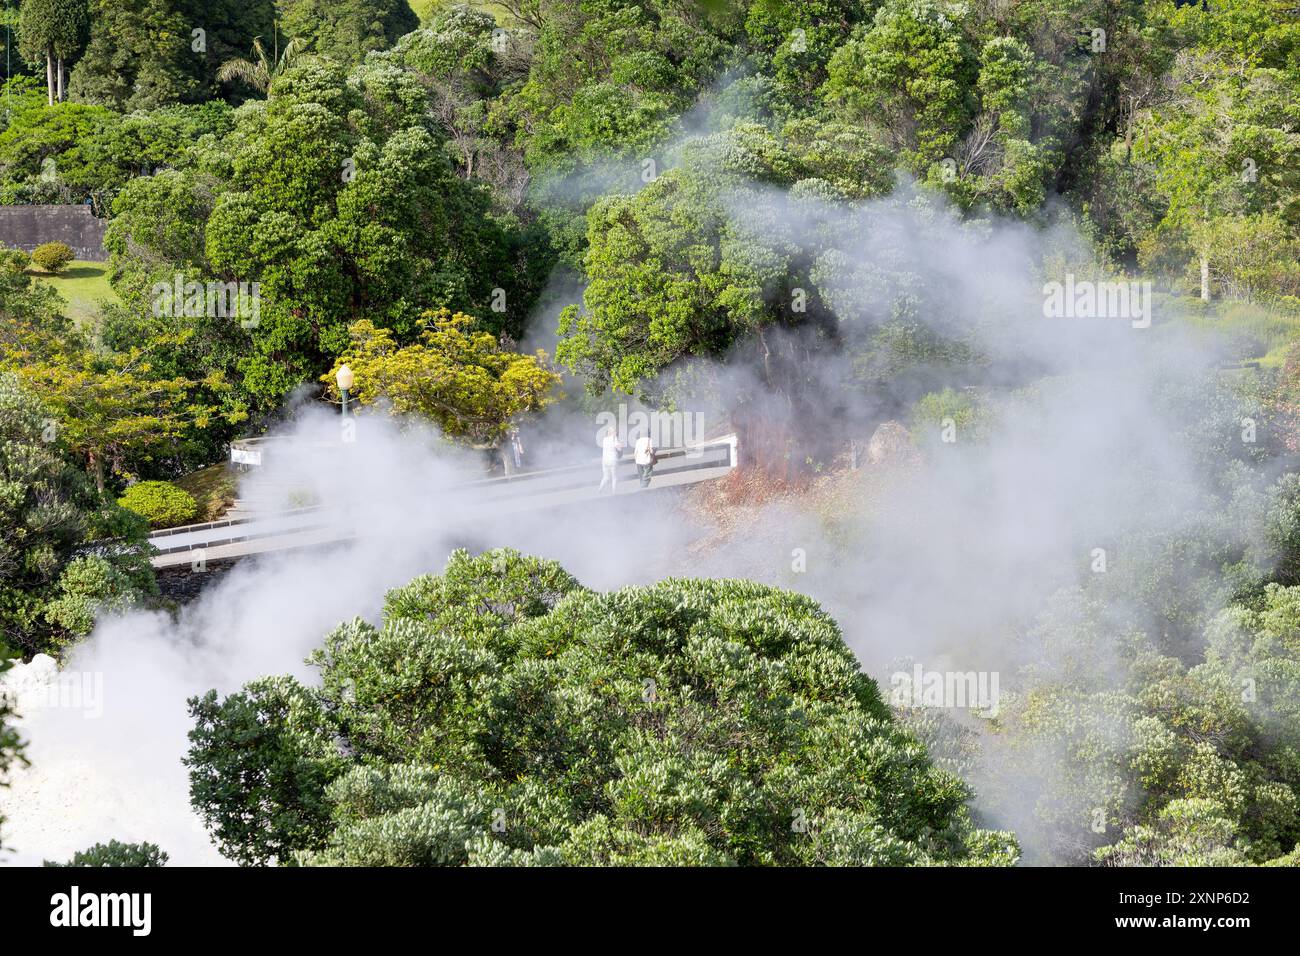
<point>249,533</point>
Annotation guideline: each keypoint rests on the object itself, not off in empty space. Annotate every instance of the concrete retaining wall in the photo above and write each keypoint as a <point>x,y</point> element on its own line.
<point>26,227</point>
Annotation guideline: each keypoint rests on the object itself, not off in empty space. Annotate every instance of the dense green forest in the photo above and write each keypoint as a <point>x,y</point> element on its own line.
<point>425,194</point>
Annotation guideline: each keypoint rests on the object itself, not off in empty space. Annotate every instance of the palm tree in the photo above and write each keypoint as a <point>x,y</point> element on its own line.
<point>259,71</point>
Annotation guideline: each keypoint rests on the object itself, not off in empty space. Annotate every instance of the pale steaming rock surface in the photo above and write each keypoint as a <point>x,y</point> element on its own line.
<point>889,442</point>
<point>58,806</point>
<point>24,684</point>
<point>66,801</point>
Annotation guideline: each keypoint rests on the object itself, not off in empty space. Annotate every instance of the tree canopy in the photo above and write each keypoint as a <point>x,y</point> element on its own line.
<point>502,714</point>
<point>461,380</point>
<point>116,853</point>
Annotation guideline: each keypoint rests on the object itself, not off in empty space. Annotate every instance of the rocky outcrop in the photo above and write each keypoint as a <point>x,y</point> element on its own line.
<point>891,441</point>
<point>24,684</point>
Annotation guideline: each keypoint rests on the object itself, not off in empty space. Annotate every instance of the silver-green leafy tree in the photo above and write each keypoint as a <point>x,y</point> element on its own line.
<point>504,714</point>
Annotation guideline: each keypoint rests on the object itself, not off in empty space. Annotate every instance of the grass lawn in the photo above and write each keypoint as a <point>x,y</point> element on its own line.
<point>1267,334</point>
<point>82,285</point>
<point>213,488</point>
<point>426,8</point>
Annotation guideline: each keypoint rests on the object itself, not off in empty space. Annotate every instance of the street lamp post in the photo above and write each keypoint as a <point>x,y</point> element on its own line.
<point>345,379</point>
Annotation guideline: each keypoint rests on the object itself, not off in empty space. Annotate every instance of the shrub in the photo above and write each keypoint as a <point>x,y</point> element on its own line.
<point>214,488</point>
<point>14,260</point>
<point>89,586</point>
<point>52,256</point>
<point>115,853</point>
<point>937,410</point>
<point>160,502</point>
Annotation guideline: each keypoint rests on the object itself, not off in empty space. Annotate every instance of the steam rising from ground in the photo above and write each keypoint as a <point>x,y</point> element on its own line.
<point>949,563</point>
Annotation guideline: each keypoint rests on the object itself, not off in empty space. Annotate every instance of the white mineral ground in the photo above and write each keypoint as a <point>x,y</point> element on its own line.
<point>104,786</point>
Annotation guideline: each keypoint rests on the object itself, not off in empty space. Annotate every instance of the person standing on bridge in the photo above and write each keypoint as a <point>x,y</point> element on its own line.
<point>610,451</point>
<point>644,454</point>
<point>517,448</point>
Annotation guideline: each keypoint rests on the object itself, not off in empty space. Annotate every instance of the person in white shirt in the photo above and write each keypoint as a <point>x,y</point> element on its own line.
<point>610,450</point>
<point>517,448</point>
<point>644,453</point>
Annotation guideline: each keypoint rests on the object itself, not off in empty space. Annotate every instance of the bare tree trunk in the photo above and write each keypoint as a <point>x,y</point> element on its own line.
<point>1205,278</point>
<point>60,71</point>
<point>97,470</point>
<point>49,74</point>
<point>767,357</point>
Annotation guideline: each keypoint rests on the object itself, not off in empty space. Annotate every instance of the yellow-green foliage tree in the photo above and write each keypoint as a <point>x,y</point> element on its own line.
<point>465,381</point>
<point>113,409</point>
<point>120,410</point>
<point>52,587</point>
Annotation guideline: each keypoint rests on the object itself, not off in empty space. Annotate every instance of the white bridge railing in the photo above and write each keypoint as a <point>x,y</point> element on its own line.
<point>550,487</point>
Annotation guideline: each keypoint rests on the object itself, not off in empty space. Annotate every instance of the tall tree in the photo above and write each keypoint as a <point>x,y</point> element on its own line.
<point>913,70</point>
<point>117,410</point>
<point>346,30</point>
<point>465,381</point>
<point>343,206</point>
<point>140,55</point>
<point>259,71</point>
<point>1223,142</point>
<point>229,29</point>
<point>53,31</point>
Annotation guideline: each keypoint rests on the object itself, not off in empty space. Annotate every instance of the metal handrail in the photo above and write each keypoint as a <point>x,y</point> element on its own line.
<point>684,452</point>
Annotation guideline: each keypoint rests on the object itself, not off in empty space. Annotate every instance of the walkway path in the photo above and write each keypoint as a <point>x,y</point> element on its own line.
<point>219,541</point>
